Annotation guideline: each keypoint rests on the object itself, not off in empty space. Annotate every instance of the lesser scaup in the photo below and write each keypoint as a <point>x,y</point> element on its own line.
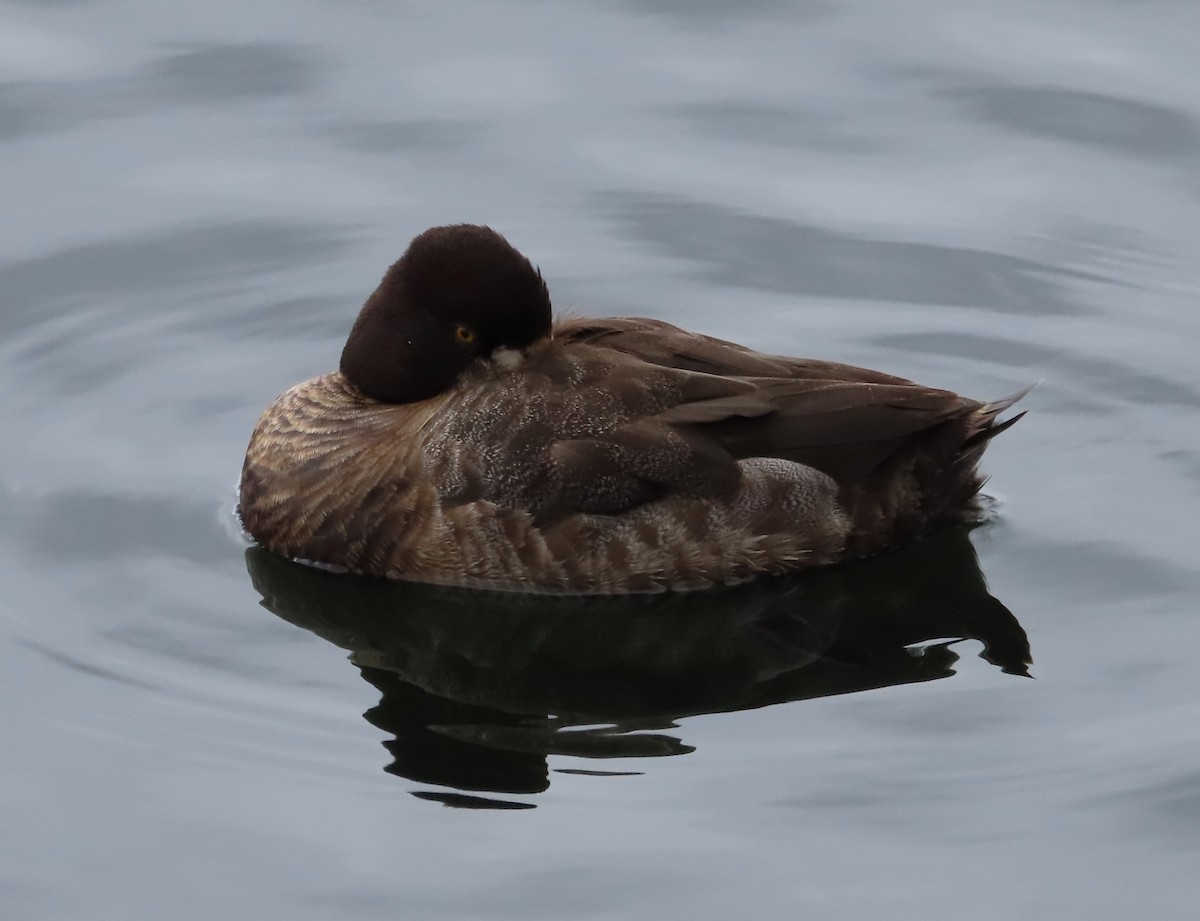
<point>470,439</point>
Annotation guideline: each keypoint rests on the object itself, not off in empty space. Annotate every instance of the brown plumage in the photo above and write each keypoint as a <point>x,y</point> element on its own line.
<point>465,440</point>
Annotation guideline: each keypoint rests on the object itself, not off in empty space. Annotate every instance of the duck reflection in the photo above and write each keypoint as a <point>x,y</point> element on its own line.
<point>478,689</point>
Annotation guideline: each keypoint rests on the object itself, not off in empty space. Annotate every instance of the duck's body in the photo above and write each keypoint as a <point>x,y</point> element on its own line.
<point>616,455</point>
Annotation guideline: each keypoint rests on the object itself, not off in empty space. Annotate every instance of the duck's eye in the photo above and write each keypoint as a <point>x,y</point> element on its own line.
<point>464,335</point>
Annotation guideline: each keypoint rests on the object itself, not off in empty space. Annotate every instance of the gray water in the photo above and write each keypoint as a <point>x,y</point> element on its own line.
<point>978,195</point>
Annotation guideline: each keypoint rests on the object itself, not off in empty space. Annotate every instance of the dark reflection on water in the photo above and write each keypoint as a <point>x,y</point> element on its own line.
<point>218,73</point>
<point>1097,120</point>
<point>23,113</point>
<point>428,135</point>
<point>57,283</point>
<point>479,689</point>
<point>741,249</point>
<point>778,126</point>
<point>1101,381</point>
<point>719,10</point>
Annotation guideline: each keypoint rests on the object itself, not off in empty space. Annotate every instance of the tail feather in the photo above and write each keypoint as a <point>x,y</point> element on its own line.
<point>986,415</point>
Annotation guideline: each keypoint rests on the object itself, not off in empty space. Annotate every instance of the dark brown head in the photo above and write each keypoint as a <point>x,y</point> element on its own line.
<point>458,294</point>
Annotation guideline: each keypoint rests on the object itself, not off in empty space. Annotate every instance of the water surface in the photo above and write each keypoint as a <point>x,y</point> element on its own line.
<point>976,196</point>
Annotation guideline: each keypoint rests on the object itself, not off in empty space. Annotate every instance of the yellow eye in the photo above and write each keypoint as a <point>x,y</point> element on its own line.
<point>464,334</point>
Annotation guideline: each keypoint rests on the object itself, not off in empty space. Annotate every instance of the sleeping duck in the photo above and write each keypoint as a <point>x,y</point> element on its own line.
<point>468,438</point>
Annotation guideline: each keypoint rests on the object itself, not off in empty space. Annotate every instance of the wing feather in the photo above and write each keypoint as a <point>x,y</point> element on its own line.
<point>619,412</point>
<point>842,419</point>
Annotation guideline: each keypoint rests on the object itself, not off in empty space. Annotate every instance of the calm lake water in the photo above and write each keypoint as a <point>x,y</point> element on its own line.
<point>977,195</point>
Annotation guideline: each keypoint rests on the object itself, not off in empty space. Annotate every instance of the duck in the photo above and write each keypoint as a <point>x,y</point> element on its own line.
<point>470,438</point>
